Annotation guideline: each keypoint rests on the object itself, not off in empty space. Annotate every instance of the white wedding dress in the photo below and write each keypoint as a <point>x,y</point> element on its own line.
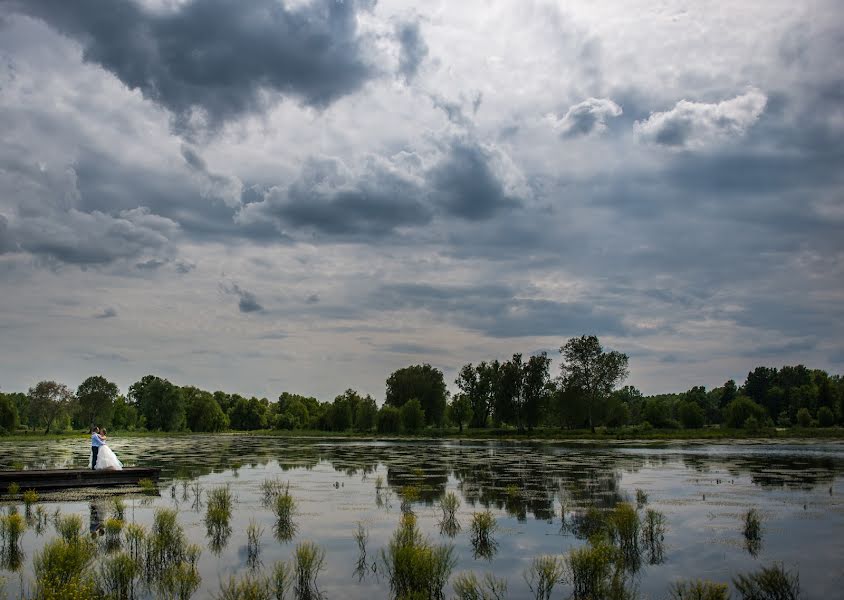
<point>107,459</point>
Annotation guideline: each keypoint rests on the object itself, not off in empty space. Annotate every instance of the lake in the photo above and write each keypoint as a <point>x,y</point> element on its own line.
<point>535,491</point>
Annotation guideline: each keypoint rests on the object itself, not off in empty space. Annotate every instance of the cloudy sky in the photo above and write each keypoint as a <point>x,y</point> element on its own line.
<point>305,195</point>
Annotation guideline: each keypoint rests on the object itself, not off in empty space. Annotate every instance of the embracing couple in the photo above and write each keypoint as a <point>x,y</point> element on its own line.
<point>102,456</point>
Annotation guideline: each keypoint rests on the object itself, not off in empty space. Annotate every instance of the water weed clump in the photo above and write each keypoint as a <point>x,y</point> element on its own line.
<point>641,498</point>
<point>62,569</point>
<point>309,561</point>
<point>164,547</point>
<point>449,525</point>
<point>118,508</point>
<point>253,544</point>
<point>29,498</point>
<point>413,565</point>
<point>148,487</point>
<point>467,586</point>
<point>544,573</point>
<point>361,536</point>
<point>116,577</point>
<point>13,489</point>
<point>40,519</point>
<point>113,529</point>
<point>69,527</point>
<point>699,590</point>
<point>12,528</point>
<point>270,489</point>
<point>180,580</point>
<point>483,527</point>
<point>653,534</point>
<point>624,533</point>
<point>408,494</point>
<point>768,583</point>
<point>284,508</point>
<point>257,587</point>
<point>136,536</point>
<point>217,517</point>
<point>752,531</point>
<point>589,569</point>
<point>589,523</point>
<point>196,489</point>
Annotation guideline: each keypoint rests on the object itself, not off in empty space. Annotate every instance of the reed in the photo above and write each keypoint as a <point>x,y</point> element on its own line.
<point>62,569</point>
<point>589,569</point>
<point>116,577</point>
<point>12,528</point>
<point>13,489</point>
<point>135,542</point>
<point>178,581</point>
<point>544,573</point>
<point>69,527</point>
<point>409,494</point>
<point>362,566</point>
<point>483,527</point>
<point>284,508</point>
<point>449,525</point>
<point>270,488</point>
<point>699,590</point>
<point>653,534</point>
<point>415,568</point>
<point>467,586</point>
<point>217,517</point>
<point>113,529</point>
<point>118,508</point>
<point>641,498</point>
<point>257,587</point>
<point>196,489</point>
<point>253,544</point>
<point>589,523</point>
<point>40,520</point>
<point>768,583</point>
<point>148,487</point>
<point>165,547</point>
<point>752,531</point>
<point>30,497</point>
<point>624,528</point>
<point>309,561</point>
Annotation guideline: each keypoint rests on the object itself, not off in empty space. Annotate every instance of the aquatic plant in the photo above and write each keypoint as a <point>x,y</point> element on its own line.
<point>416,568</point>
<point>30,497</point>
<point>589,523</point>
<point>752,531</point>
<point>217,517</point>
<point>449,525</point>
<point>113,529</point>
<point>284,509</point>
<point>118,508</point>
<point>589,569</point>
<point>379,483</point>
<point>768,583</point>
<point>13,489</point>
<point>483,527</point>
<point>148,487</point>
<point>164,547</point>
<point>408,494</point>
<point>699,590</point>
<point>309,561</point>
<point>641,498</point>
<point>196,488</point>
<point>40,520</point>
<point>62,569</point>
<point>362,566</point>
<point>180,580</point>
<point>12,527</point>
<point>467,586</point>
<point>653,533</point>
<point>624,533</point>
<point>135,541</point>
<point>69,527</point>
<point>253,544</point>
<point>544,573</point>
<point>116,577</point>
<point>257,587</point>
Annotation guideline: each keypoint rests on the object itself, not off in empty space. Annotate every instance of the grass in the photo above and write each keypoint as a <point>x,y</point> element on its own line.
<point>752,531</point>
<point>118,508</point>
<point>544,573</point>
<point>148,487</point>
<point>653,534</point>
<point>12,528</point>
<point>217,517</point>
<point>768,583</point>
<point>62,569</point>
<point>409,494</point>
<point>69,527</point>
<point>467,586</point>
<point>13,489</point>
<point>113,529</point>
<point>30,497</point>
<point>257,587</point>
<point>624,530</point>
<point>284,508</point>
<point>483,527</point>
<point>253,544</point>
<point>415,567</point>
<point>271,489</point>
<point>116,577</point>
<point>699,590</point>
<point>641,498</point>
<point>449,525</point>
<point>164,548</point>
<point>309,561</point>
<point>589,569</point>
<point>40,519</point>
<point>136,536</point>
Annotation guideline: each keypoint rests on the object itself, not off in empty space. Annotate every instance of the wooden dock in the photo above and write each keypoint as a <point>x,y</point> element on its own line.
<point>57,479</point>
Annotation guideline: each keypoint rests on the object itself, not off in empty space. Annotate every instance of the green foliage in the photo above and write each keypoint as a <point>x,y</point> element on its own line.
<point>202,411</point>
<point>389,420</point>
<point>826,418</point>
<point>247,587</point>
<point>249,415</point>
<point>589,569</point>
<point>309,561</point>
<point>416,568</point>
<point>13,489</point>
<point>12,528</point>
<point>62,569</point>
<point>95,399</point>
<point>804,417</point>
<point>468,587</point>
<point>116,577</point>
<point>69,527</point>
<point>9,418</point>
<point>135,535</point>
<point>412,416</point>
<point>449,525</point>
<point>460,410</point>
<point>148,487</point>
<point>768,583</point>
<point>118,507</point>
<point>544,573</point>
<point>699,590</point>
<point>284,507</point>
<point>752,531</point>
<point>641,498</point>
<point>113,529</point>
<point>49,403</point>
<point>159,403</point>
<point>740,409</point>
<point>422,382</point>
<point>30,497</point>
<point>653,533</point>
<point>690,414</point>
<point>483,527</point>
<point>366,414</point>
<point>624,530</point>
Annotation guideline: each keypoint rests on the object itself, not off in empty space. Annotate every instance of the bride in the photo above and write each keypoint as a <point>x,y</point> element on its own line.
<point>106,458</point>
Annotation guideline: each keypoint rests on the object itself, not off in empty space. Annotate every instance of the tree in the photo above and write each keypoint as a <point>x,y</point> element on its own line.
<point>460,410</point>
<point>367,412</point>
<point>160,403</point>
<point>8,414</point>
<point>202,412</point>
<point>534,392</point>
<point>690,414</point>
<point>593,371</point>
<point>49,400</point>
<point>389,419</point>
<point>412,415</point>
<point>804,417</point>
<point>740,409</point>
<point>468,380</point>
<point>423,382</point>
<point>95,401</point>
<point>125,415</point>
<point>249,415</point>
<point>826,418</point>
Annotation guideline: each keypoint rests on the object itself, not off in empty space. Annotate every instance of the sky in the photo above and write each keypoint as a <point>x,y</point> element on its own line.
<point>305,195</point>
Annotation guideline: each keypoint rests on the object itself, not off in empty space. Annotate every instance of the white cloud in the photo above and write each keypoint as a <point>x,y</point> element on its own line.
<point>587,117</point>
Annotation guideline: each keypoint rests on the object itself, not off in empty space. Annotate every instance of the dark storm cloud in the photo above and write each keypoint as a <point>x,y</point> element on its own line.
<point>106,313</point>
<point>414,50</point>
<point>386,194</point>
<point>219,56</point>
<point>247,302</point>
<point>498,310</point>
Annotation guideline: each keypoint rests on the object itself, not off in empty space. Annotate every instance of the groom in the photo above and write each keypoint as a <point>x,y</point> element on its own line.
<point>96,442</point>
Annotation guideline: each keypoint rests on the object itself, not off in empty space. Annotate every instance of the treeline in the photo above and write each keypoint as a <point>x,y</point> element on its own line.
<point>520,393</point>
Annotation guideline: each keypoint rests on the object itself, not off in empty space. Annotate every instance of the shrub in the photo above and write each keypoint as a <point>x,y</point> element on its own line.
<point>544,573</point>
<point>768,583</point>
<point>69,527</point>
<point>751,423</point>
<point>691,415</point>
<point>653,532</point>
<point>468,587</point>
<point>624,531</point>
<point>449,525</point>
<point>826,418</point>
<point>483,526</point>
<point>62,569</point>
<point>412,415</point>
<point>30,497</point>
<point>589,570</point>
<point>740,409</point>
<point>116,576</point>
<point>310,560</point>
<point>699,590</point>
<point>389,420</point>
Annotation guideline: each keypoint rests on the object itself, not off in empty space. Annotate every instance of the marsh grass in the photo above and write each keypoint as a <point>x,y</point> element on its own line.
<point>544,573</point>
<point>253,544</point>
<point>449,525</point>
<point>361,536</point>
<point>589,523</point>
<point>284,508</point>
<point>12,528</point>
<point>196,489</point>
<point>165,548</point>
<point>257,587</point>
<point>218,516</point>
<point>181,579</point>
<point>409,494</point>
<point>641,498</point>
<point>271,489</point>
<point>116,577</point>
<point>589,569</point>
<point>40,520</point>
<point>699,590</point>
<point>752,531</point>
<point>29,498</point>
<point>309,561</point>
<point>148,487</point>
<point>483,527</point>
<point>62,569</point>
<point>624,528</point>
<point>13,489</point>
<point>653,534</point>
<point>136,535</point>
<point>69,527</point>
<point>768,583</point>
<point>113,529</point>
<point>415,567</point>
<point>118,508</point>
<point>467,586</point>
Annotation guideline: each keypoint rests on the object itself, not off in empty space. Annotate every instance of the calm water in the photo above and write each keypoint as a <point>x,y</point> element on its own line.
<point>704,491</point>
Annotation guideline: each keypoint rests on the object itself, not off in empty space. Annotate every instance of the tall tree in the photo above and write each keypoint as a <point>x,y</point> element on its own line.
<point>159,403</point>
<point>95,401</point>
<point>423,382</point>
<point>460,410</point>
<point>586,366</point>
<point>534,392</point>
<point>48,400</point>
<point>8,414</point>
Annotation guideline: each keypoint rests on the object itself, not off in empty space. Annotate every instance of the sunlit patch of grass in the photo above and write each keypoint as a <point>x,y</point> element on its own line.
<point>653,534</point>
<point>284,508</point>
<point>699,590</point>
<point>113,529</point>
<point>467,586</point>
<point>752,531</point>
<point>768,583</point>
<point>416,568</point>
<point>116,577</point>
<point>309,561</point>
<point>483,527</point>
<point>62,569</point>
<point>544,573</point>
<point>253,544</point>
